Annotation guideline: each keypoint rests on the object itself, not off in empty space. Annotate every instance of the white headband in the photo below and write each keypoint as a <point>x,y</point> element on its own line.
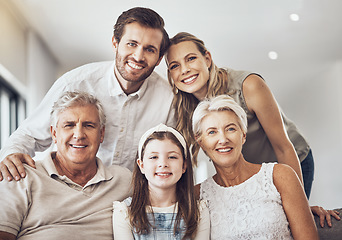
<point>161,128</point>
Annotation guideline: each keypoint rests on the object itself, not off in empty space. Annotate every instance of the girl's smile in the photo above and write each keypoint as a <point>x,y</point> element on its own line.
<point>162,164</point>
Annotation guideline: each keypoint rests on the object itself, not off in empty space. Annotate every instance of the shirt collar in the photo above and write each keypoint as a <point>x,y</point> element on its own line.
<point>114,87</point>
<point>49,165</point>
<point>102,174</point>
<point>142,89</point>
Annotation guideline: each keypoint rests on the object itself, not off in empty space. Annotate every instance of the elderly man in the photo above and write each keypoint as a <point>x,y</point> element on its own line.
<point>70,193</point>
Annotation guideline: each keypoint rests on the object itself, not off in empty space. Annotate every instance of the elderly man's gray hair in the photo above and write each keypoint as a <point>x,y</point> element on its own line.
<point>73,99</point>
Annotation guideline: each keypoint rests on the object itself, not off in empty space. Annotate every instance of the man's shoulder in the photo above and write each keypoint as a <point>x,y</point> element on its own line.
<point>40,170</point>
<point>159,85</point>
<point>33,176</point>
<point>157,79</point>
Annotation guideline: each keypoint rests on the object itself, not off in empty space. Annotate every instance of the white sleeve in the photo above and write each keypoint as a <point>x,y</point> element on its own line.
<point>34,133</point>
<point>203,228</point>
<point>121,226</point>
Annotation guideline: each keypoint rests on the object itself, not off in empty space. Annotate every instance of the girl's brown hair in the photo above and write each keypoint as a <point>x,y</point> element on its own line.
<point>187,204</point>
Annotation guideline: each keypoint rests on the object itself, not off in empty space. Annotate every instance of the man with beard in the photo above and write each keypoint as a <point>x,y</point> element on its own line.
<point>135,98</point>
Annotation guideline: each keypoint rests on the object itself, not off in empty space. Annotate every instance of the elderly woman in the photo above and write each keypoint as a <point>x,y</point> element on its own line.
<point>246,200</point>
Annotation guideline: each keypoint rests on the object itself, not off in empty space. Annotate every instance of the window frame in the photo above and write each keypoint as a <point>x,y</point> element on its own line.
<point>12,104</point>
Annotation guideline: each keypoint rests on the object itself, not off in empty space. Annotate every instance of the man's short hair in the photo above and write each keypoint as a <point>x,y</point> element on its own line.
<point>146,17</point>
<point>74,99</point>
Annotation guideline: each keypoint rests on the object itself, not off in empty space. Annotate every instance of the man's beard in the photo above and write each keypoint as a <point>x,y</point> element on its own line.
<point>120,65</point>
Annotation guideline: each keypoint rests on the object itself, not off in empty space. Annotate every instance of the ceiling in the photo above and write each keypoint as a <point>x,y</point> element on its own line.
<point>239,33</point>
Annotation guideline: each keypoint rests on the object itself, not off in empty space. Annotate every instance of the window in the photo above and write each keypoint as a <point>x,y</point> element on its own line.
<point>12,109</point>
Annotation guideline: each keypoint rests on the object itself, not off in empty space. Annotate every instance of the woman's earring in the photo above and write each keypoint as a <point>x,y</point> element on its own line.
<point>176,90</point>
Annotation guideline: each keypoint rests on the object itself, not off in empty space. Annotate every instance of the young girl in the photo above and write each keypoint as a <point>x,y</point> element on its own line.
<point>163,205</point>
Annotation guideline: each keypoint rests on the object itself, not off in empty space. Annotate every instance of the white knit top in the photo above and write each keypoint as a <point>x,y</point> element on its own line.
<point>250,210</point>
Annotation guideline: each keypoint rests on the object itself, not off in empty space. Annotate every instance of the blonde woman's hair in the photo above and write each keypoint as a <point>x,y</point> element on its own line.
<point>185,103</point>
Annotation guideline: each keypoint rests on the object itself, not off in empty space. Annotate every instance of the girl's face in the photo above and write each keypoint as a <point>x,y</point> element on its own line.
<point>162,164</point>
<point>189,69</point>
<point>222,138</point>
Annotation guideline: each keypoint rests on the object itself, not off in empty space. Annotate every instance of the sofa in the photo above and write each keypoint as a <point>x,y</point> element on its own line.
<point>333,233</point>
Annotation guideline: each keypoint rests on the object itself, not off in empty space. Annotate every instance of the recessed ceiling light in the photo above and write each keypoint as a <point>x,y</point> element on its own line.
<point>273,55</point>
<point>294,17</point>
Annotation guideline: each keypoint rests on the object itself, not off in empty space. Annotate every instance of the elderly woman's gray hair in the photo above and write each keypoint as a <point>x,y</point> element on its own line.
<point>218,103</point>
<point>75,99</point>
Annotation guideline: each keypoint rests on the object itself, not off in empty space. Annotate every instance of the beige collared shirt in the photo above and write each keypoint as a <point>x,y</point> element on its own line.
<point>46,205</point>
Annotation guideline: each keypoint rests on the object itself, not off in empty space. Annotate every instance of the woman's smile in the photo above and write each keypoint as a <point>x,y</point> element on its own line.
<point>190,80</point>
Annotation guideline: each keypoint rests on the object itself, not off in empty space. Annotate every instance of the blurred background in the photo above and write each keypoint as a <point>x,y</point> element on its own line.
<point>294,44</point>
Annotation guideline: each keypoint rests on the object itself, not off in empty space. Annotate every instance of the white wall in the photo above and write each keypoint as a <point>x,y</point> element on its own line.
<point>42,70</point>
<point>25,56</point>
<point>315,104</point>
<point>12,42</point>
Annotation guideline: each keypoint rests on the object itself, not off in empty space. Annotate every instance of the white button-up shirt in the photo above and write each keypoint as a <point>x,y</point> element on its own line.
<point>128,116</point>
